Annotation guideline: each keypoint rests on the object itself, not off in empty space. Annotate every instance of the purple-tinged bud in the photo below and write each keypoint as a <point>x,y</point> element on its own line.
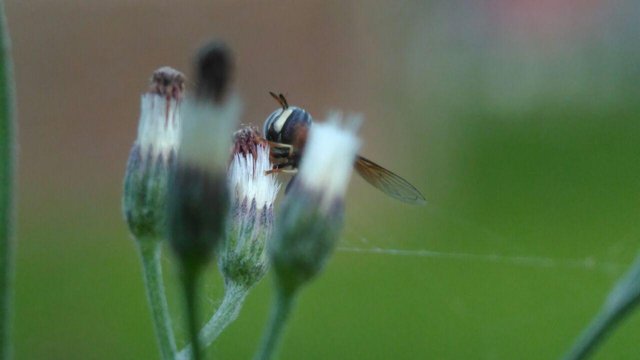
<point>152,155</point>
<point>310,220</point>
<point>243,259</point>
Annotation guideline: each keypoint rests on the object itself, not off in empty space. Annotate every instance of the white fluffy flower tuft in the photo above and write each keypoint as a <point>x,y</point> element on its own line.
<point>159,127</point>
<point>328,158</point>
<point>247,178</point>
<point>206,129</point>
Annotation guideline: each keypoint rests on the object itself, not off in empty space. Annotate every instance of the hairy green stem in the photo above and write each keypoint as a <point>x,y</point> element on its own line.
<point>227,312</point>
<point>150,251</point>
<point>280,310</point>
<point>7,169</point>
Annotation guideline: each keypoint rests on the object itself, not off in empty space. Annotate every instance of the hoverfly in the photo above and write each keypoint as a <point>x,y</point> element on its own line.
<point>286,132</point>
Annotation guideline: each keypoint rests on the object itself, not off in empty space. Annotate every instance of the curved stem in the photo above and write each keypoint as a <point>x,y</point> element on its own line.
<point>7,169</point>
<point>277,320</point>
<point>150,251</point>
<point>593,335</point>
<point>621,301</point>
<point>227,312</point>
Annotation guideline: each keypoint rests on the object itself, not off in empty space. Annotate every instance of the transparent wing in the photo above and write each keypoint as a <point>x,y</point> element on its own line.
<point>388,182</point>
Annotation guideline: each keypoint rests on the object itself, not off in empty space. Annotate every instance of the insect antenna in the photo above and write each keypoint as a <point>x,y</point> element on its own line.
<point>280,99</point>
<point>284,101</point>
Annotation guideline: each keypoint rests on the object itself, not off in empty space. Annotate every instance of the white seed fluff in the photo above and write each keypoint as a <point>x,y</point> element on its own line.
<point>159,126</point>
<point>329,156</point>
<point>247,178</point>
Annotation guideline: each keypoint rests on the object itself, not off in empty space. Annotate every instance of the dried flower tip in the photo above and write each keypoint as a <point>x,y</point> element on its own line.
<point>168,82</point>
<point>214,71</point>
<point>246,141</point>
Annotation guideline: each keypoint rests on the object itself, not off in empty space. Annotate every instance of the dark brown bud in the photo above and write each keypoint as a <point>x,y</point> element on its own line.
<point>214,71</point>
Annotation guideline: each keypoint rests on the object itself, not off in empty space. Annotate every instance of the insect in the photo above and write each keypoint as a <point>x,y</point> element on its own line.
<point>286,131</point>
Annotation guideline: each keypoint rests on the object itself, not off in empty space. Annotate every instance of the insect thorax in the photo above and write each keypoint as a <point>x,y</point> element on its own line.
<point>282,124</point>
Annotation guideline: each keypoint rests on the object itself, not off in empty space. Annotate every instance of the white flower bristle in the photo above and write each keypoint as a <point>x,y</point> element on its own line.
<point>159,126</point>
<point>247,178</point>
<point>329,156</point>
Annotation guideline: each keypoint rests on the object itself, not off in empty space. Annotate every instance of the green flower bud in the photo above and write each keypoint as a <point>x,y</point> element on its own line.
<point>198,194</point>
<point>243,259</point>
<point>152,155</point>
<point>311,217</point>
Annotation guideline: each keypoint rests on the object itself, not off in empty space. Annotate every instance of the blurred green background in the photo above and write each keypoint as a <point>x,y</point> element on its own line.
<point>518,120</point>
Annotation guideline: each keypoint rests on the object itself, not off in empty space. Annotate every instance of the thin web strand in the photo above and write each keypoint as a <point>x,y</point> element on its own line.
<point>529,261</point>
<point>587,263</point>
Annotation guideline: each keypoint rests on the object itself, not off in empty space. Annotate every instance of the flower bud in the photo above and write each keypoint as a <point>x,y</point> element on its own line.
<point>152,155</point>
<point>198,193</point>
<point>311,217</point>
<point>243,259</point>
<point>214,72</point>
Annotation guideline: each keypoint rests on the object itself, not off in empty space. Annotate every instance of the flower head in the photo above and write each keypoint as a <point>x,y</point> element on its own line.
<point>310,221</point>
<point>248,180</point>
<point>198,196</point>
<point>243,259</point>
<point>152,155</point>
<point>198,193</point>
<point>329,156</point>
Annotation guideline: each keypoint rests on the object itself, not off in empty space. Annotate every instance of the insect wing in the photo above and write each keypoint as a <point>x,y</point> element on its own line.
<point>388,182</point>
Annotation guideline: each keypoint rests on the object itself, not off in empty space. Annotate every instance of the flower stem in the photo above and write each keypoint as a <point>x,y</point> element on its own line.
<point>190,276</point>
<point>7,167</point>
<point>280,311</point>
<point>593,335</point>
<point>227,312</point>
<point>624,297</point>
<point>150,251</point>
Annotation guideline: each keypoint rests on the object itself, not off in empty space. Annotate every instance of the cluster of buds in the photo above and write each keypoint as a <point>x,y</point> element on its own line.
<point>180,185</point>
<point>152,155</point>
